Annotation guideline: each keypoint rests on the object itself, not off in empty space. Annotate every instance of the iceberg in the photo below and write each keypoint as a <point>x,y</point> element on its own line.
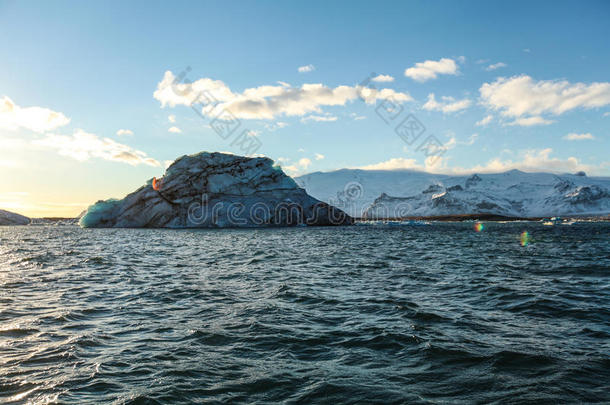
<point>216,190</point>
<point>10,218</point>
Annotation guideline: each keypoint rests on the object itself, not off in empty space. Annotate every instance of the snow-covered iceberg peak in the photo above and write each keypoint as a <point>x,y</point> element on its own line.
<point>216,190</point>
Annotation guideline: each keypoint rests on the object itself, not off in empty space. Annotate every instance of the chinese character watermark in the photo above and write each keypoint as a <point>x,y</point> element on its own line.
<point>405,125</point>
<point>221,119</point>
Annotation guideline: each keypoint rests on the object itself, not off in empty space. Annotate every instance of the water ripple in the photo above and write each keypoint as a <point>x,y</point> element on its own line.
<point>368,314</point>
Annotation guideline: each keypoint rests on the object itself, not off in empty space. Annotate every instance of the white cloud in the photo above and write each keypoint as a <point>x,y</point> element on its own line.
<point>370,96</point>
<point>432,163</point>
<point>291,170</point>
<point>484,121</point>
<point>447,105</point>
<point>394,164</point>
<point>319,118</point>
<point>495,66</point>
<point>607,114</point>
<point>531,161</point>
<point>276,125</point>
<point>170,92</point>
<point>283,160</point>
<point>122,132</point>
<point>37,119</point>
<point>171,118</point>
<point>521,96</point>
<point>174,130</point>
<point>383,78</point>
<point>266,102</point>
<point>319,156</point>
<point>530,121</point>
<point>471,140</point>
<point>430,69</point>
<point>307,68</point>
<point>357,117</point>
<point>304,162</point>
<point>83,146</point>
<point>578,137</point>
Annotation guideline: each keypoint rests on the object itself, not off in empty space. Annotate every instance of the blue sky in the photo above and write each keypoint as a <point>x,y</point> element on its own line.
<point>533,75</point>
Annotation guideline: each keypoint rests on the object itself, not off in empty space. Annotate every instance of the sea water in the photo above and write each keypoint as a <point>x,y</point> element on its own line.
<point>442,313</point>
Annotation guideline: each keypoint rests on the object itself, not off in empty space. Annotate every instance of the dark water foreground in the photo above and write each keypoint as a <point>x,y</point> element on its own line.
<point>367,314</point>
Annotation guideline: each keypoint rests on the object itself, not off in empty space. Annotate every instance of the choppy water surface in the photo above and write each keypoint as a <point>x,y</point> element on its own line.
<point>428,314</point>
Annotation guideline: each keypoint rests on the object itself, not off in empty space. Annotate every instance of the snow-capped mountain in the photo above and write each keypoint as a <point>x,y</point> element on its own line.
<point>401,193</point>
<point>10,218</point>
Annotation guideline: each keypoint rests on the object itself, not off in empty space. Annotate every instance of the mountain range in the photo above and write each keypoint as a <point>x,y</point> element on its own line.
<point>377,194</point>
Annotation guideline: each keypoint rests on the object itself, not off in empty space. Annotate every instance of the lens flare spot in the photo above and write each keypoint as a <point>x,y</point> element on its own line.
<point>478,227</point>
<point>525,238</point>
